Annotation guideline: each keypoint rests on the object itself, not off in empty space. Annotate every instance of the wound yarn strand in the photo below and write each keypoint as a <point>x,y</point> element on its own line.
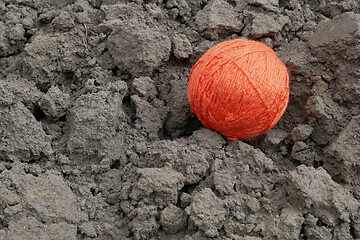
<point>239,88</point>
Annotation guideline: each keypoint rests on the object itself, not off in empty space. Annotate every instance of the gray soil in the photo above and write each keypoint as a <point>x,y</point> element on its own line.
<point>97,139</point>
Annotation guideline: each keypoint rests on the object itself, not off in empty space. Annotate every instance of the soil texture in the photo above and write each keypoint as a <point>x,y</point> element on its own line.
<point>98,141</point>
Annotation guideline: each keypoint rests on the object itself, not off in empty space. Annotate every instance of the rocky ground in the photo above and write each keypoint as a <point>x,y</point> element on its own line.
<point>97,139</point>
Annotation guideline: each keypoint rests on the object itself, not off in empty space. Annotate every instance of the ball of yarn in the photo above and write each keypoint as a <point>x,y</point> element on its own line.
<point>239,88</point>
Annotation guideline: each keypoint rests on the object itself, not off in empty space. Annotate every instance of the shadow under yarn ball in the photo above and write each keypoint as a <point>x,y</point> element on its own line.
<point>239,88</point>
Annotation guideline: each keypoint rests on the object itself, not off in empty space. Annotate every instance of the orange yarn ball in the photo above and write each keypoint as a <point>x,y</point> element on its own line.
<point>239,88</point>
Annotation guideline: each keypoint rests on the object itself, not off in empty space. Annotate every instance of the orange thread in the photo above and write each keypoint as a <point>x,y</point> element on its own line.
<point>239,88</point>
